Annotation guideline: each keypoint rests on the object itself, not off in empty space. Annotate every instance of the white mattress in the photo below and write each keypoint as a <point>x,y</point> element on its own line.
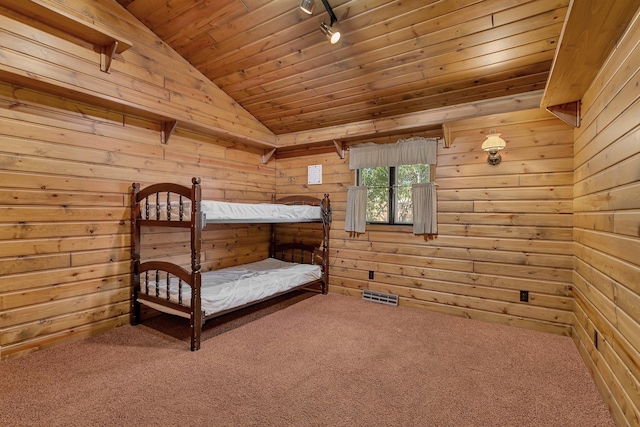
<point>236,286</point>
<point>227,212</point>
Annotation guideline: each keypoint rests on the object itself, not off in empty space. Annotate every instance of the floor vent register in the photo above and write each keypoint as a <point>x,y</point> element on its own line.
<point>379,297</point>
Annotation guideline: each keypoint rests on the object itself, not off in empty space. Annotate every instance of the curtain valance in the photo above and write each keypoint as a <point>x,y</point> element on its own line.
<point>412,151</point>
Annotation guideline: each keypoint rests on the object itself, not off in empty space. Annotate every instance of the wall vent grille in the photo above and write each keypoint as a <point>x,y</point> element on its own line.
<point>380,297</point>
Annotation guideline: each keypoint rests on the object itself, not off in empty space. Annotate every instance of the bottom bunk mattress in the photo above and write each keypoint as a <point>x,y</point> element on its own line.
<point>234,287</point>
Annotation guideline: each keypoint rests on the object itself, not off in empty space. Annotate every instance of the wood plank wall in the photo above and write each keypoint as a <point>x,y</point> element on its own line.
<point>607,230</point>
<point>502,228</point>
<point>149,79</point>
<point>70,147</point>
<point>65,174</point>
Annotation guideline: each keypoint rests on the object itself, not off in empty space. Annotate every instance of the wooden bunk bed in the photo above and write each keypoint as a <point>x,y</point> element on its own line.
<point>198,296</point>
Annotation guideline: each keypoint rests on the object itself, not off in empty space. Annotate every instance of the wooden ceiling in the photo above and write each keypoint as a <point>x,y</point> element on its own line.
<point>395,57</point>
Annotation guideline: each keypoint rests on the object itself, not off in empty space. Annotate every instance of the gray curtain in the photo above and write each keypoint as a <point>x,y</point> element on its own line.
<point>412,151</point>
<point>356,218</point>
<point>424,208</point>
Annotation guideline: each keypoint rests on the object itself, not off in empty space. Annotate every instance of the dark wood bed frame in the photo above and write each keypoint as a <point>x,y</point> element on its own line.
<point>293,252</point>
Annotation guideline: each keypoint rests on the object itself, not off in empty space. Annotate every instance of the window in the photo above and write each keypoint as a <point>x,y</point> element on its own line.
<point>389,196</point>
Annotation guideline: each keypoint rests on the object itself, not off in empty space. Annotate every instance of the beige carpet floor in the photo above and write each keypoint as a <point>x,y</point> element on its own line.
<point>324,360</point>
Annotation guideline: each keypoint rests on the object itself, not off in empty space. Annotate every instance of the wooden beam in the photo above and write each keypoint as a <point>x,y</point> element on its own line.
<point>167,130</point>
<point>568,113</point>
<point>590,32</point>
<point>406,122</point>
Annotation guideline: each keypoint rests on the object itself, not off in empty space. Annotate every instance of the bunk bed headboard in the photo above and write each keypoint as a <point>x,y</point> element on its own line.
<point>319,254</point>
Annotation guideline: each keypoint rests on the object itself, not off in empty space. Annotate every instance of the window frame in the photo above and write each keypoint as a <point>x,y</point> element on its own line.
<point>392,206</point>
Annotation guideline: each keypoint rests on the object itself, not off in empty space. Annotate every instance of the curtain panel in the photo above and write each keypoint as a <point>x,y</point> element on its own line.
<point>425,213</point>
<point>412,151</point>
<point>356,218</point>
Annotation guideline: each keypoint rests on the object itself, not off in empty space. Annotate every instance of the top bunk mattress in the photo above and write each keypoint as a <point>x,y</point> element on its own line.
<point>216,212</point>
<point>226,212</point>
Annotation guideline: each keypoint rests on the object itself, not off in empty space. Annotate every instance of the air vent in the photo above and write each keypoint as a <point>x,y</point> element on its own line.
<point>379,297</point>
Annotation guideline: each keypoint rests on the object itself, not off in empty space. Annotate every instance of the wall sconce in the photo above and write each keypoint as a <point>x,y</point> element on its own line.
<point>493,144</point>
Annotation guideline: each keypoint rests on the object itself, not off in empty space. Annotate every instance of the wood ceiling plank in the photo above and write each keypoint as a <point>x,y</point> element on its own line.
<point>421,87</point>
<point>367,25</point>
<point>258,26</point>
<point>189,37</point>
<point>376,82</point>
<point>167,11</point>
<point>451,23</point>
<point>141,7</point>
<point>328,120</point>
<point>396,56</point>
<point>401,34</point>
<point>263,22</point>
<point>365,56</point>
<point>418,80</point>
<point>529,8</point>
<point>432,57</point>
<point>197,15</point>
<point>357,111</point>
<point>437,85</point>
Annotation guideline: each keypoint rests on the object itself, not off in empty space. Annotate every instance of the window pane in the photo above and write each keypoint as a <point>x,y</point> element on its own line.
<point>413,174</point>
<point>406,176</point>
<point>377,179</point>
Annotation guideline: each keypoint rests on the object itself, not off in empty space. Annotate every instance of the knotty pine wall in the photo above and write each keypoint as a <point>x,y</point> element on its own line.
<point>72,140</point>
<point>502,228</point>
<point>65,174</point>
<point>606,274</point>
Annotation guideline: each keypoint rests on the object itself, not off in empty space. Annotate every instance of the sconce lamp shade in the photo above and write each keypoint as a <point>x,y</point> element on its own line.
<point>493,144</point>
<point>332,33</point>
<point>307,6</point>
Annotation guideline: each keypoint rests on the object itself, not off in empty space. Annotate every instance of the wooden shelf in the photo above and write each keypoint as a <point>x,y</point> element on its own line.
<point>591,31</point>
<point>51,14</point>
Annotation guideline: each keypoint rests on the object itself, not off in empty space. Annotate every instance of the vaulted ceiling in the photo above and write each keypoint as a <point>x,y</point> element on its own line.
<point>395,57</point>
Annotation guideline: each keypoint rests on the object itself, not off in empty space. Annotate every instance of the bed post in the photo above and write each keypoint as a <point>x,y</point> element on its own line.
<point>326,228</point>
<point>272,229</point>
<point>135,255</point>
<point>196,234</point>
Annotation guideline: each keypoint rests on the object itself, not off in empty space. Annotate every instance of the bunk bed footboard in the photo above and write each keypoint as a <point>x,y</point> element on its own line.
<point>171,289</point>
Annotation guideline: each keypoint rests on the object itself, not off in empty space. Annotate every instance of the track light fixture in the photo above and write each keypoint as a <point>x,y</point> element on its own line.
<point>332,33</point>
<point>307,6</point>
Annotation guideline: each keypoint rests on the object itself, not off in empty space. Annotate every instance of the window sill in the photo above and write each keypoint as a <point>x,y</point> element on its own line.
<point>396,228</point>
